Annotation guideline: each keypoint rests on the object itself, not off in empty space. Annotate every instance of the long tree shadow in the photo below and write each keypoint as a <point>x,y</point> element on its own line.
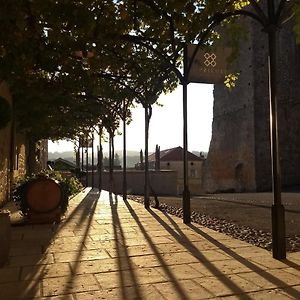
<point>169,273</point>
<point>83,207</point>
<point>181,238</point>
<point>85,210</point>
<point>275,280</point>
<point>124,262</point>
<point>14,290</point>
<point>292,264</point>
<point>184,241</point>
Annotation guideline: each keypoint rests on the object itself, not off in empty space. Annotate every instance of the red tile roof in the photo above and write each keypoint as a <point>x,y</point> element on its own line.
<point>174,154</point>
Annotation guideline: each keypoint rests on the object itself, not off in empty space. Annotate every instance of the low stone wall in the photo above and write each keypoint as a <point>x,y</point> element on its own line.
<point>162,182</point>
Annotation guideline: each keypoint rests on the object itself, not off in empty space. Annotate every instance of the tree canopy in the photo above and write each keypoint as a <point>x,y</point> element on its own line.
<point>71,63</point>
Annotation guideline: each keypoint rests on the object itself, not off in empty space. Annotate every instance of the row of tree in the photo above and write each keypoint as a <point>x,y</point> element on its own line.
<point>70,64</point>
<point>74,65</point>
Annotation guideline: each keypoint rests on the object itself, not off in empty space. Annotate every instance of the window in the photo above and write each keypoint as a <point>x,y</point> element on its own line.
<point>193,173</point>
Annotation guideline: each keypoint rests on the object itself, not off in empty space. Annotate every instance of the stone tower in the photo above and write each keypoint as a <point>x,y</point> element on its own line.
<point>239,154</point>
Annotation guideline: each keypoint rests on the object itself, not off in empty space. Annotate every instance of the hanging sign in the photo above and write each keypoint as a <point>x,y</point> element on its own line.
<point>208,66</point>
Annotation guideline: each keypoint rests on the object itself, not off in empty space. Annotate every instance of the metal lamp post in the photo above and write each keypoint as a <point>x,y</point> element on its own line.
<point>186,198</point>
<point>278,212</point>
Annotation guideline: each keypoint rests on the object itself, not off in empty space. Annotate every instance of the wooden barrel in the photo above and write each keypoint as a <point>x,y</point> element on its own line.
<point>43,195</point>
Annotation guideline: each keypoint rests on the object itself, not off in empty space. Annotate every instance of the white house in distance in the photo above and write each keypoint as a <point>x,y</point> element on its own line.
<point>172,159</point>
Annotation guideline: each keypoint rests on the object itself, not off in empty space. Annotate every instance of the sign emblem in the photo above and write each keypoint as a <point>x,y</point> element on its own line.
<point>210,59</point>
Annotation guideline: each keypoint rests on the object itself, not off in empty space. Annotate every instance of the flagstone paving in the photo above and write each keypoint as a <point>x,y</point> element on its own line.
<point>107,248</point>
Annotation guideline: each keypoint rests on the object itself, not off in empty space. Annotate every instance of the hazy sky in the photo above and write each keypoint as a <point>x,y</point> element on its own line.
<point>167,122</point>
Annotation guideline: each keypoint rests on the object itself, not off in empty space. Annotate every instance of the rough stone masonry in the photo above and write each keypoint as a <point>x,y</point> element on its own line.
<point>239,154</point>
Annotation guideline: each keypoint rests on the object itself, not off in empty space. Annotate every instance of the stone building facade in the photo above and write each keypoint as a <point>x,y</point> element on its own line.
<point>14,152</point>
<point>239,155</point>
<point>172,159</point>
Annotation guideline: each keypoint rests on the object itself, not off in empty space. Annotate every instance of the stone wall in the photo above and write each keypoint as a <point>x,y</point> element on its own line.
<point>13,153</point>
<point>5,135</point>
<point>239,154</point>
<point>230,164</point>
<point>289,105</point>
<point>5,146</point>
<point>194,174</point>
<point>162,182</point>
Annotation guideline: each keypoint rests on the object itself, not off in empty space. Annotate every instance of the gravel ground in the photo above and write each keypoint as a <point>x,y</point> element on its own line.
<point>243,216</point>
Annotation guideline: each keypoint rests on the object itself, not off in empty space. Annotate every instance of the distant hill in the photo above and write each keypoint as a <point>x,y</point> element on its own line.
<point>64,155</point>
<point>133,157</point>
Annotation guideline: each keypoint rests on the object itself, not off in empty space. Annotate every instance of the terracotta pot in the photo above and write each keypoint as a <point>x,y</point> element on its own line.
<point>5,233</point>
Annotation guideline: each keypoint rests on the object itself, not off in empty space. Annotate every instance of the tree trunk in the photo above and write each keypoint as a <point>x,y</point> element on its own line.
<point>82,157</point>
<point>111,160</point>
<point>86,166</point>
<point>32,166</point>
<point>77,154</point>
<point>93,161</point>
<point>124,152</point>
<point>148,114</point>
<point>100,159</point>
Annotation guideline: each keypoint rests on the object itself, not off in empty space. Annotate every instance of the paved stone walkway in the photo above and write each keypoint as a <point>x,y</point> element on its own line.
<point>110,249</point>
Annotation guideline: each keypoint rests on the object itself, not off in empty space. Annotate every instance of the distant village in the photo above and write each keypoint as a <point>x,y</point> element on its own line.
<point>166,170</point>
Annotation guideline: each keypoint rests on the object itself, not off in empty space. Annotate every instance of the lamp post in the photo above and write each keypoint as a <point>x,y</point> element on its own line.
<point>278,212</point>
<point>186,198</point>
